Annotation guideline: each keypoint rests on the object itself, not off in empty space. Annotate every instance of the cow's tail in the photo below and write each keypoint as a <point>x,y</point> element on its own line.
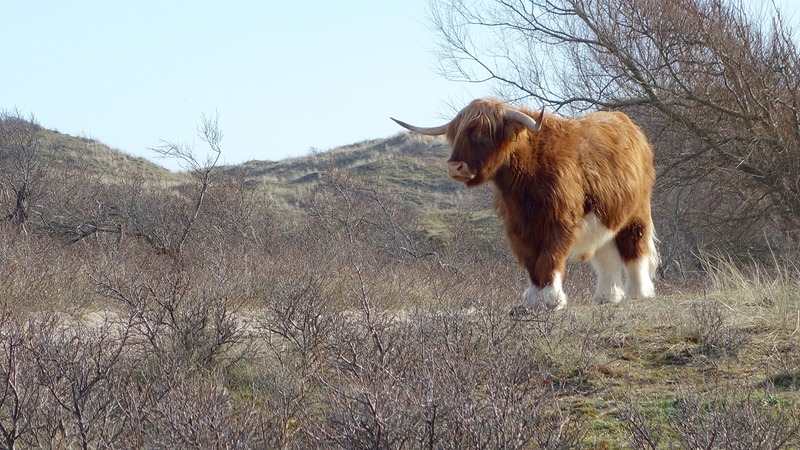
<point>653,259</point>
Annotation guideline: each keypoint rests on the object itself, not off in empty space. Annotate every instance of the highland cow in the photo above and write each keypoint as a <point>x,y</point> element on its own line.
<point>566,189</point>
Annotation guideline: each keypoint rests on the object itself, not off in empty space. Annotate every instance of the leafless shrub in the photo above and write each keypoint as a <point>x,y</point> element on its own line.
<point>714,335</point>
<point>21,394</point>
<point>357,212</point>
<point>201,171</point>
<point>427,380</point>
<point>727,419</point>
<point>24,168</point>
<point>734,422</point>
<point>165,217</point>
<point>194,326</point>
<point>76,366</point>
<point>304,316</point>
<point>36,272</point>
<point>239,216</point>
<point>644,430</point>
<point>199,413</point>
<point>714,83</point>
<point>284,403</point>
<point>783,367</point>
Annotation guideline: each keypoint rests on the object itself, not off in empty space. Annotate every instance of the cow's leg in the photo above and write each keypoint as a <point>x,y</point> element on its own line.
<point>608,266</point>
<point>639,281</point>
<point>542,248</point>
<point>546,272</point>
<point>637,248</point>
<point>546,295</point>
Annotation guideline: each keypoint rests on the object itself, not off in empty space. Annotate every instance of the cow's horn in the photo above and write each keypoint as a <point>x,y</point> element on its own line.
<point>432,131</point>
<point>524,119</point>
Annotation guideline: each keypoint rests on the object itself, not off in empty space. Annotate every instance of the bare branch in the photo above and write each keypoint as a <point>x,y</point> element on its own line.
<point>210,133</point>
<point>723,77</point>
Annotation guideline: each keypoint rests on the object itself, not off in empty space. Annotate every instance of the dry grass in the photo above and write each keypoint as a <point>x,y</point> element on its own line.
<point>93,158</point>
<point>354,318</point>
<point>341,326</point>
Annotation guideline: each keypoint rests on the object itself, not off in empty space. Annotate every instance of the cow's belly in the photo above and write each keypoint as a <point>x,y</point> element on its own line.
<point>592,235</point>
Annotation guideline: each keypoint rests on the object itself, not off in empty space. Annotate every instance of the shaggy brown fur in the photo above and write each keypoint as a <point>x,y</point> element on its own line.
<point>548,181</point>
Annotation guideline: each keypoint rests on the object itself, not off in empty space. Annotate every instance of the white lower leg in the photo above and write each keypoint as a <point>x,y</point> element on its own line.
<point>639,283</point>
<point>608,266</point>
<point>640,272</point>
<point>551,296</point>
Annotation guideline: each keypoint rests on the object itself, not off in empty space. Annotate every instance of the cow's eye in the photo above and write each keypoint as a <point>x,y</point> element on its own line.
<point>482,138</point>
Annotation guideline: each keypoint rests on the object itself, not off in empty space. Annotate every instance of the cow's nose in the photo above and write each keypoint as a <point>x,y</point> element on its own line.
<point>458,169</point>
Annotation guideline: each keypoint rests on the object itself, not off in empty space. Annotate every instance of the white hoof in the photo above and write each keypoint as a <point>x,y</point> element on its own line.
<point>614,294</point>
<point>639,282</point>
<point>551,298</point>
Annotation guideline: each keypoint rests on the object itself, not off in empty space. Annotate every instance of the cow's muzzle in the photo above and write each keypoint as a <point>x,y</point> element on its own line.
<point>459,171</point>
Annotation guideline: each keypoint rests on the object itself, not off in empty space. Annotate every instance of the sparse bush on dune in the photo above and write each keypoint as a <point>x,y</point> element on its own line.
<point>356,318</point>
<point>318,304</point>
<point>341,324</point>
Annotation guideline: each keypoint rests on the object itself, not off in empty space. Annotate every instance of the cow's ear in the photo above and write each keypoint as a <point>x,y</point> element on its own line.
<point>512,130</point>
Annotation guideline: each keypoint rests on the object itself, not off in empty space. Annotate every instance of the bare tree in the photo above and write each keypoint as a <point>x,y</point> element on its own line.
<point>165,217</point>
<point>717,84</point>
<point>23,167</point>
<point>19,394</point>
<point>201,171</point>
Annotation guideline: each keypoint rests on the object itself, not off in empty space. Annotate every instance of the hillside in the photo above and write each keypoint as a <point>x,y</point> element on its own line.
<point>406,170</point>
<point>360,156</point>
<point>412,165</point>
<point>408,165</point>
<point>358,298</point>
<point>94,158</point>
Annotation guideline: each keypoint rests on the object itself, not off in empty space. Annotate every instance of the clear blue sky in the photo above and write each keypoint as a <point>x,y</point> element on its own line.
<point>283,76</point>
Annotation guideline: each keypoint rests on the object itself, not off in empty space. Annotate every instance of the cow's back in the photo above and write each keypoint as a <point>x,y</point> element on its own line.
<point>616,161</point>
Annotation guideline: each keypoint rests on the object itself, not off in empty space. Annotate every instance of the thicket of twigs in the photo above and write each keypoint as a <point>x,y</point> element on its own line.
<point>715,84</point>
<point>211,313</point>
<point>342,323</point>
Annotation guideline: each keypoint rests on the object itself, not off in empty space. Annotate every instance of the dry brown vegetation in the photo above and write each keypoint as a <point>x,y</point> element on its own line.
<point>715,84</point>
<point>342,313</point>
<point>359,299</point>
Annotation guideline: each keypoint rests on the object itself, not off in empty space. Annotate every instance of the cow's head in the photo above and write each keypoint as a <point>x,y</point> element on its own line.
<point>481,135</point>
